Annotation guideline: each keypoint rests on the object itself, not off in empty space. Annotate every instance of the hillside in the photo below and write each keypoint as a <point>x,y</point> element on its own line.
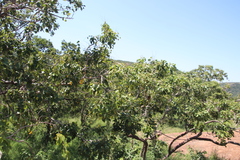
<point>234,88</point>
<point>124,62</point>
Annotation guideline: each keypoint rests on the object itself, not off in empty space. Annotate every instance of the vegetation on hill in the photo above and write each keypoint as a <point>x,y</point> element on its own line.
<point>80,104</point>
<point>125,62</point>
<point>233,88</point>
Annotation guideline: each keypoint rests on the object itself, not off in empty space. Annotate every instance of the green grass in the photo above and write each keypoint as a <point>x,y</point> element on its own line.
<point>98,123</point>
<point>169,129</point>
<point>75,119</point>
<point>94,123</point>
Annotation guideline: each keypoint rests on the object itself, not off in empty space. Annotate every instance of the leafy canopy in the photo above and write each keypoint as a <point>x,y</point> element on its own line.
<point>27,17</point>
<point>80,104</point>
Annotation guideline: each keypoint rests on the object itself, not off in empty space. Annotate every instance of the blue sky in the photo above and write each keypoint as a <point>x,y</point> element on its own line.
<point>185,32</point>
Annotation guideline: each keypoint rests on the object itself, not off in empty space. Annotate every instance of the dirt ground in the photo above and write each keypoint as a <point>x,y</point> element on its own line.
<point>230,152</point>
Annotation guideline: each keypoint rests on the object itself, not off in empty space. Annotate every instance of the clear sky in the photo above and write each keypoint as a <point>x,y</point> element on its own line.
<point>185,32</point>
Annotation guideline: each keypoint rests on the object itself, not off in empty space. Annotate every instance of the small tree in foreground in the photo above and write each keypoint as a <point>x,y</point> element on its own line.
<point>154,93</point>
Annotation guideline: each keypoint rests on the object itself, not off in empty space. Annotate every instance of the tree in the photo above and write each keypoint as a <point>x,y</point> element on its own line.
<point>114,104</point>
<point>40,84</point>
<point>25,18</point>
<point>208,73</point>
<point>154,93</point>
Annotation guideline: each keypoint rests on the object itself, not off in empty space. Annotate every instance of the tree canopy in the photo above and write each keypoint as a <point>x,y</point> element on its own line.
<point>27,17</point>
<point>78,103</point>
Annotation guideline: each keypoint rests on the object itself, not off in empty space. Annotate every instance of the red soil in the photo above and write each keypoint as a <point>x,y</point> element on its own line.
<point>230,152</point>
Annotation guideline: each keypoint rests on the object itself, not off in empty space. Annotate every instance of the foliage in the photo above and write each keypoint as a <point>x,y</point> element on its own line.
<point>124,62</point>
<point>155,93</point>
<point>40,84</point>
<point>233,88</point>
<point>208,73</point>
<point>120,108</point>
<point>26,17</point>
<point>197,155</point>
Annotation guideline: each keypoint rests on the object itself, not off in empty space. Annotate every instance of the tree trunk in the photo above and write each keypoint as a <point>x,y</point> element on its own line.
<point>144,150</point>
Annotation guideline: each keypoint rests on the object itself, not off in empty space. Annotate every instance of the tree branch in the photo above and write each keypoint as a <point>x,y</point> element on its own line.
<point>212,121</point>
<point>8,82</point>
<point>216,142</point>
<point>171,151</point>
<point>145,144</point>
<point>136,137</point>
<point>181,135</point>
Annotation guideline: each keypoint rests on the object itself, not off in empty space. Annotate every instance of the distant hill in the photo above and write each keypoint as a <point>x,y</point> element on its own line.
<point>124,62</point>
<point>234,88</point>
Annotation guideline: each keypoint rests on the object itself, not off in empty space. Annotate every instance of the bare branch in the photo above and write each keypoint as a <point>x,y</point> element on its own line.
<point>136,137</point>
<point>212,121</point>
<point>170,150</point>
<point>216,142</point>
<point>8,82</point>
<point>181,135</point>
<point>145,144</point>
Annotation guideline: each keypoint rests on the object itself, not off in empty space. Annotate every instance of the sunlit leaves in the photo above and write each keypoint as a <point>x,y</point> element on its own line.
<point>25,18</point>
<point>40,82</point>
<point>108,37</point>
<point>42,85</point>
<point>158,88</point>
<point>208,73</point>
